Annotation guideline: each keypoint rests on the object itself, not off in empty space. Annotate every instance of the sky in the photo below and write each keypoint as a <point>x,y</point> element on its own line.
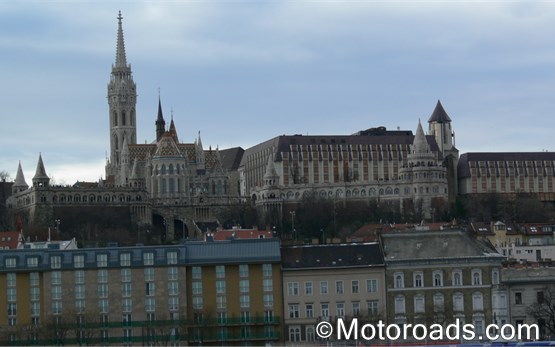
<point>243,72</point>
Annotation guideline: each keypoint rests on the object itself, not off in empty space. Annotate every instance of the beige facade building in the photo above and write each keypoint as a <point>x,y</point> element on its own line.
<point>327,282</point>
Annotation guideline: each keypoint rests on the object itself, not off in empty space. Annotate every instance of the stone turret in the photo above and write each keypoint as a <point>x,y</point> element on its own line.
<point>41,179</point>
<point>19,184</point>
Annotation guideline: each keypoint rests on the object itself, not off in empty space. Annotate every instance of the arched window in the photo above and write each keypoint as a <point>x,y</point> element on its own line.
<point>476,277</point>
<point>170,169</point>
<point>399,280</point>
<point>163,169</point>
<point>115,117</point>
<point>122,117</point>
<point>457,278</point>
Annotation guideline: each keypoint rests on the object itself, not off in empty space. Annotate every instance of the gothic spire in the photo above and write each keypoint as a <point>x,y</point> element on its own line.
<point>160,122</point>
<point>420,144</point>
<point>121,61</point>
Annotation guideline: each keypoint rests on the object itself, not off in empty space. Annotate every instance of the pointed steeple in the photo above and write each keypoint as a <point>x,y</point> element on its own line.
<point>40,179</point>
<point>172,130</point>
<point>121,61</point>
<point>270,176</point>
<point>200,154</point>
<point>420,143</point>
<point>439,115</point>
<point>160,122</point>
<point>19,184</point>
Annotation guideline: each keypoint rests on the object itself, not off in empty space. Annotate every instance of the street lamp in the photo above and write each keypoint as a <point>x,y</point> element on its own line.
<point>292,222</point>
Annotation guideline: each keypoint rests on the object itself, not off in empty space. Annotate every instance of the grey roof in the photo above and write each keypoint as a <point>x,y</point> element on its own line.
<point>282,144</point>
<point>332,256</point>
<point>439,115</point>
<point>189,253</point>
<point>418,245</point>
<point>231,158</point>
<point>234,251</point>
<point>465,158</point>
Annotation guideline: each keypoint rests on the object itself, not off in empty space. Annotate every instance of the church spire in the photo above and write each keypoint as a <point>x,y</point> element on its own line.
<point>160,122</point>
<point>121,61</point>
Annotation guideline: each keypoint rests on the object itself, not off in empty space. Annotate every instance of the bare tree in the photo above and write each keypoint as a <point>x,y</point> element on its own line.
<point>543,312</point>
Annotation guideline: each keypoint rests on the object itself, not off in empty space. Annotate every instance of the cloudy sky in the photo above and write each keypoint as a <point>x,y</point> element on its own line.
<point>242,72</point>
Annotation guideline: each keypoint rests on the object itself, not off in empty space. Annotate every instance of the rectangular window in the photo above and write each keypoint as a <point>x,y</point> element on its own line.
<point>103,290</point>
<point>173,288</point>
<point>354,287</point>
<point>372,306</point>
<point>32,261</point>
<point>126,305</point>
<point>173,303</point>
<point>197,288</point>
<point>245,301</point>
<point>126,275</point>
<point>79,291</point>
<point>56,293</point>
<point>35,311</point>
<point>102,276</point>
<point>150,304</point>
<point>221,302</point>
<point>197,302</point>
<point>220,271</point>
<point>267,285</point>
<point>55,262</point>
<point>220,287</point>
<point>79,261</point>
<point>34,278</point>
<point>372,285</point>
<point>150,289</point>
<point>172,273</point>
<point>197,272</point>
<point>148,258</point>
<point>10,280</point>
<point>56,307</point>
<point>35,293</point>
<point>339,287</point>
<point>56,277</point>
<point>356,309</point>
<point>309,310</point>
<point>340,309</point>
<point>171,257</point>
<point>308,288</point>
<point>102,260</point>
<point>10,262</point>
<point>11,294</point>
<point>293,311</point>
<point>292,288</point>
<point>149,274</point>
<point>103,306</point>
<point>325,311</point>
<point>79,277</point>
<point>126,290</point>
<point>267,270</point>
<point>268,300</point>
<point>518,298</point>
<point>324,287</point>
<point>244,286</point>
<point>125,259</point>
<point>80,306</point>
<point>243,270</point>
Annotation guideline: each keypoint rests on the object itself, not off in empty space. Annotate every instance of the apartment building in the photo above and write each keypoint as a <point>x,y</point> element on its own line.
<point>327,282</point>
<point>193,293</point>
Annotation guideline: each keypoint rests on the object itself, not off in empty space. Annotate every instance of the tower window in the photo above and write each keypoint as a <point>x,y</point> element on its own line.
<point>115,118</point>
<point>123,118</point>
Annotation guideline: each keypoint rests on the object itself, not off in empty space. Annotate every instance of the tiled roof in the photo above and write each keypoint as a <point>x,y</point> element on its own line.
<point>332,256</point>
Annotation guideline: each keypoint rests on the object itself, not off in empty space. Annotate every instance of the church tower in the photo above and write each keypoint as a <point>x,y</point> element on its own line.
<point>122,100</point>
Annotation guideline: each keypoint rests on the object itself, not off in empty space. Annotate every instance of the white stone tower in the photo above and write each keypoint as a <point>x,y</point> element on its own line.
<point>440,127</point>
<point>122,100</point>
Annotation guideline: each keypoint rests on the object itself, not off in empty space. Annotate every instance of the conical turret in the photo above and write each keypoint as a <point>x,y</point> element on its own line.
<point>41,179</point>
<point>270,176</point>
<point>19,184</point>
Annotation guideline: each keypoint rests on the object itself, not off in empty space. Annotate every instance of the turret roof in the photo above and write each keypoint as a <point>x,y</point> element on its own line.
<point>439,115</point>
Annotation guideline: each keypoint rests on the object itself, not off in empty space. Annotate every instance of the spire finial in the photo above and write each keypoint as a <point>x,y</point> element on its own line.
<point>121,61</point>
<point>171,114</point>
